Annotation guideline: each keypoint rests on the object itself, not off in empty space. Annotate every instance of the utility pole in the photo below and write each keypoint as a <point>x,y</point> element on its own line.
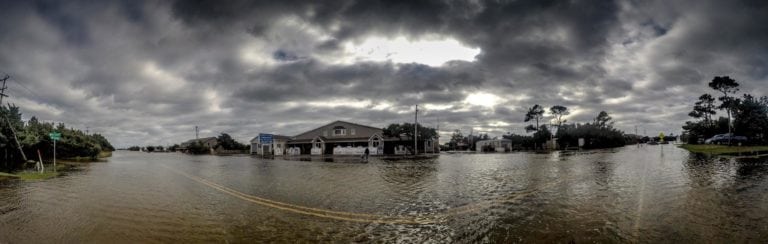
<point>196,133</point>
<point>416,131</point>
<point>2,89</point>
<point>15,138</point>
<point>54,155</point>
<point>438,136</point>
<point>471,138</point>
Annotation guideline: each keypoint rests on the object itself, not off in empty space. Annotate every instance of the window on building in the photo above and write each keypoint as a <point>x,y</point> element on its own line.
<point>339,131</point>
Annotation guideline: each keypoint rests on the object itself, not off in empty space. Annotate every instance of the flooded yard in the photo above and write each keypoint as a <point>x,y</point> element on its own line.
<point>630,194</point>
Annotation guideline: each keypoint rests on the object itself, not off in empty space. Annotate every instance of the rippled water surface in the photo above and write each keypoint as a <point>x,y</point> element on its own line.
<point>631,194</point>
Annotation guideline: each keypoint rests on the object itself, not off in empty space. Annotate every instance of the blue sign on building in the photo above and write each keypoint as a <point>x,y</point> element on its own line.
<point>265,138</point>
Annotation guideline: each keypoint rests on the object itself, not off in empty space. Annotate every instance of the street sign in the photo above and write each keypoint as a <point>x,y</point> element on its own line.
<point>55,136</point>
<point>661,136</point>
<point>265,138</point>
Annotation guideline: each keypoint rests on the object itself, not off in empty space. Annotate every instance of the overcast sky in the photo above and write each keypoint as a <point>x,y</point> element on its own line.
<point>147,72</point>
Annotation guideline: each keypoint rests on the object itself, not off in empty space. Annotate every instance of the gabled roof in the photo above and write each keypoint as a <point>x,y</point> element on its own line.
<point>337,121</point>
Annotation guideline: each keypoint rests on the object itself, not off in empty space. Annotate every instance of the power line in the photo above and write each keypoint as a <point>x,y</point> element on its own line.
<point>15,138</point>
<point>26,88</point>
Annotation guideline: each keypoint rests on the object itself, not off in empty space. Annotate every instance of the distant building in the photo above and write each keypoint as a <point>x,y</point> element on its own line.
<point>341,138</point>
<point>277,147</point>
<point>494,145</point>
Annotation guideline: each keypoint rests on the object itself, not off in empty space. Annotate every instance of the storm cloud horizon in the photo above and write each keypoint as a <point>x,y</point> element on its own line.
<point>148,72</point>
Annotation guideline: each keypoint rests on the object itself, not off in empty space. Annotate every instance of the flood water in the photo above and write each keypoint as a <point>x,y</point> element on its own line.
<point>631,194</point>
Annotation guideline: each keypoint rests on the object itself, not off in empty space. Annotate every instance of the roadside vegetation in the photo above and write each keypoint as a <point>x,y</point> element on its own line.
<point>224,143</point>
<point>19,139</point>
<point>406,130</point>
<point>34,175</point>
<point>747,116</point>
<point>598,133</point>
<point>460,142</point>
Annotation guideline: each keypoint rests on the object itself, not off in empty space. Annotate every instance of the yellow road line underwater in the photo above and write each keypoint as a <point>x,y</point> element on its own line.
<point>362,217</point>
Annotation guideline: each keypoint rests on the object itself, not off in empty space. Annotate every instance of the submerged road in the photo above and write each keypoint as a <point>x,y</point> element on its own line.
<point>630,194</point>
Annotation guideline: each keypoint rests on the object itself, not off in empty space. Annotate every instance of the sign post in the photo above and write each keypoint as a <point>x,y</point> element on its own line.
<point>55,136</point>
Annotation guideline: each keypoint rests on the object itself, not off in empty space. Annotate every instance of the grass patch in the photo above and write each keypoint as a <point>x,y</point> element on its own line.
<point>723,149</point>
<point>101,155</point>
<point>105,154</point>
<point>34,175</point>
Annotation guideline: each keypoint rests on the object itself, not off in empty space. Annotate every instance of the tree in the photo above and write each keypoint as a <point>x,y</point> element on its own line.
<point>483,136</point>
<point>534,113</point>
<point>406,129</point>
<point>102,141</point>
<point>542,135</point>
<point>456,137</point>
<point>704,108</point>
<point>17,137</point>
<point>393,130</point>
<point>603,120</point>
<point>559,111</point>
<point>198,147</point>
<point>229,143</point>
<point>173,148</point>
<point>751,118</point>
<point>698,131</point>
<point>594,135</point>
<point>725,85</point>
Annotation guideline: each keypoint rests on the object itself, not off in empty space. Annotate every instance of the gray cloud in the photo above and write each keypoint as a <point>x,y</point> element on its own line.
<point>147,72</point>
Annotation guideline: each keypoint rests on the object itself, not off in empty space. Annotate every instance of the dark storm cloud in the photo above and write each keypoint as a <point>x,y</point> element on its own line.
<point>149,71</point>
<point>312,80</point>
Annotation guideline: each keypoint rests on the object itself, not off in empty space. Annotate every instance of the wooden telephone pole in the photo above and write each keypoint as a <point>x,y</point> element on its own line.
<point>416,131</point>
<point>15,138</point>
<point>2,89</point>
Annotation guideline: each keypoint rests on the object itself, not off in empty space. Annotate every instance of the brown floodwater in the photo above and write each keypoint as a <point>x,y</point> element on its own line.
<point>632,194</point>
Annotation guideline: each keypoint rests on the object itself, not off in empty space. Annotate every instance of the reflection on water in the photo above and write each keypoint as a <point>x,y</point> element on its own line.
<point>631,194</point>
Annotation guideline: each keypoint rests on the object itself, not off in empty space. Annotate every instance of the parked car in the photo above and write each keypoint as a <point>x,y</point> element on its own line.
<point>725,139</point>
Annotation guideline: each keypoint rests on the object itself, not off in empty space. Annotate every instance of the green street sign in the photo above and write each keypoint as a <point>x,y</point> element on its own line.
<point>55,136</point>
